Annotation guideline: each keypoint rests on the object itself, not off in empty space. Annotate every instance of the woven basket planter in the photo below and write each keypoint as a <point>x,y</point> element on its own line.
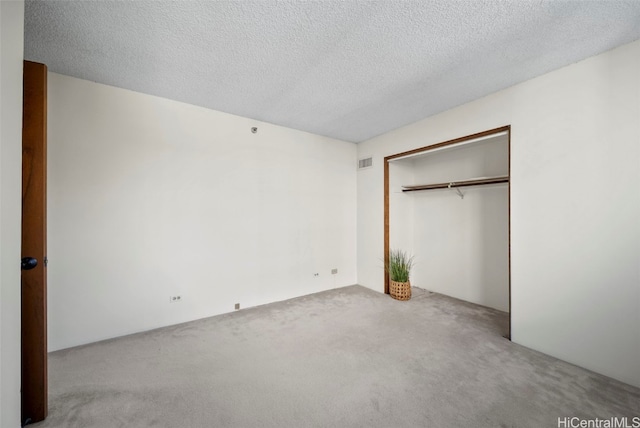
<point>400,290</point>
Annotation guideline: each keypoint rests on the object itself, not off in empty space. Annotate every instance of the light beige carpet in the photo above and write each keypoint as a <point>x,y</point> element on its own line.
<point>348,357</point>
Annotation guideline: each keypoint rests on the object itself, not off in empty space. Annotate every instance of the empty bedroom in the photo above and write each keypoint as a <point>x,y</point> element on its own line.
<point>320,213</point>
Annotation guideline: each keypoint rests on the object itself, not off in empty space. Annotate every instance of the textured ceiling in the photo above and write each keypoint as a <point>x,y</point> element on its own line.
<point>345,69</point>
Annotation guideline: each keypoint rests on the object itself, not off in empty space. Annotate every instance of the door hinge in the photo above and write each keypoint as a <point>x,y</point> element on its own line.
<point>46,261</point>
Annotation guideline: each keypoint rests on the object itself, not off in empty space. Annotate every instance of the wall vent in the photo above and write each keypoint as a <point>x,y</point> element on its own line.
<point>365,163</point>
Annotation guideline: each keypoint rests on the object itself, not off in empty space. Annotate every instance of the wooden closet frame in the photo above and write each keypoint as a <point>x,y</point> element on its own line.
<point>506,129</point>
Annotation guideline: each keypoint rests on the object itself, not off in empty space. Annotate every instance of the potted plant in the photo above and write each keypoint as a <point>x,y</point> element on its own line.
<point>399,269</point>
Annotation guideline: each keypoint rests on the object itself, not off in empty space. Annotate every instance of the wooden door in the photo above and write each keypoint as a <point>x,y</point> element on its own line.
<point>34,243</point>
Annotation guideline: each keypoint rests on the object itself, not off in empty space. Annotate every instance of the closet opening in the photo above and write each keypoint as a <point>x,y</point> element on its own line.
<point>448,204</point>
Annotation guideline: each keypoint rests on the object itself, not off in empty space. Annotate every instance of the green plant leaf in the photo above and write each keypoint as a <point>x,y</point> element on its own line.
<point>399,265</point>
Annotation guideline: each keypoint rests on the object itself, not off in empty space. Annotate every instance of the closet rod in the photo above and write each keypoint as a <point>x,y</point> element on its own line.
<point>454,184</point>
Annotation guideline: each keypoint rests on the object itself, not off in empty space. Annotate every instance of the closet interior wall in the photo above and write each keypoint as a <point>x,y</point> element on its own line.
<point>401,206</point>
<point>461,244</point>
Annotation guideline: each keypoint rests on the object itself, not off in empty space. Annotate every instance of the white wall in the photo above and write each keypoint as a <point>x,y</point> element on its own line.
<point>150,198</point>
<point>575,205</point>
<point>401,207</point>
<point>460,245</point>
<point>11,57</point>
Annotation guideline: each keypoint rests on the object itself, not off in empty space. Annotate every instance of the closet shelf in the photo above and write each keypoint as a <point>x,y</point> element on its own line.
<point>462,183</point>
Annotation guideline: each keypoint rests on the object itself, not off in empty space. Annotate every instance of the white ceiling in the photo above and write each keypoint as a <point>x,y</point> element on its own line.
<point>345,69</point>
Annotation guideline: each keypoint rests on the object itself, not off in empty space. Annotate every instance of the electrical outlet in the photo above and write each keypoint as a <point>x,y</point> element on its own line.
<point>175,299</point>
<point>316,274</point>
<point>334,271</point>
<point>237,306</point>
